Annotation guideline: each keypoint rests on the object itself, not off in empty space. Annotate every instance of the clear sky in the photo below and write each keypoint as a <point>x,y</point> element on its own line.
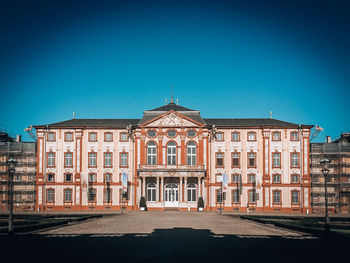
<point>228,59</point>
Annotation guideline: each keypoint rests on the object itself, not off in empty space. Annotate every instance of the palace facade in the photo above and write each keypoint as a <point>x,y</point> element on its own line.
<point>172,157</point>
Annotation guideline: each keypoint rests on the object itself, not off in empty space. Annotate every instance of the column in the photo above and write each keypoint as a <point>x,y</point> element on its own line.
<point>185,190</point>
<point>199,187</point>
<point>161,188</point>
<point>180,194</point>
<point>158,190</point>
<point>144,186</point>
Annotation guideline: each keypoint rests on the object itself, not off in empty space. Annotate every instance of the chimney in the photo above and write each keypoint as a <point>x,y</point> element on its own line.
<point>328,140</point>
<point>18,138</point>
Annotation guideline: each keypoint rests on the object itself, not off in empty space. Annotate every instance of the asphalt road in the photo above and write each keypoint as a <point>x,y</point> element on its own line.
<point>171,237</point>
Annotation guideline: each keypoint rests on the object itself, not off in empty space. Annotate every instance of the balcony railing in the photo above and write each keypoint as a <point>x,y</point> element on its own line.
<point>180,167</point>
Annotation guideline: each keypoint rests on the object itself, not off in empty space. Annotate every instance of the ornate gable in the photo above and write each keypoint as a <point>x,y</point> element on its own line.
<point>171,119</point>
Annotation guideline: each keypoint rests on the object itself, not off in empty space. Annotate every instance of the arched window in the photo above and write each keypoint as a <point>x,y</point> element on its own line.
<point>191,192</point>
<point>172,153</point>
<point>191,153</point>
<point>151,192</point>
<point>151,153</point>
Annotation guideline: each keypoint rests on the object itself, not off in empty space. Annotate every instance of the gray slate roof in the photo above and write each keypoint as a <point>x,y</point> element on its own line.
<point>171,106</point>
<point>113,123</point>
<point>249,122</point>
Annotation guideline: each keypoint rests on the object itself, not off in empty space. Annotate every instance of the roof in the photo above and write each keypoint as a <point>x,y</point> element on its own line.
<point>249,122</point>
<point>113,123</point>
<point>171,106</point>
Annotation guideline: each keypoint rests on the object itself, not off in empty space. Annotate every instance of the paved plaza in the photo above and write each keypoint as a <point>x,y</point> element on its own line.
<point>170,236</point>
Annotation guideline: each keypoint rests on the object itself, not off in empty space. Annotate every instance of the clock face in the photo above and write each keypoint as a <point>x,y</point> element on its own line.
<point>151,133</point>
<point>191,133</point>
<point>171,133</point>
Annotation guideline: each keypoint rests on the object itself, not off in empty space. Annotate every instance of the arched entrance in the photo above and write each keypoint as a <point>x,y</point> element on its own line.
<point>171,195</point>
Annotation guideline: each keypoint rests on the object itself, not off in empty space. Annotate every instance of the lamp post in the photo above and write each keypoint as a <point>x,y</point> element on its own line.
<point>11,163</point>
<point>325,171</point>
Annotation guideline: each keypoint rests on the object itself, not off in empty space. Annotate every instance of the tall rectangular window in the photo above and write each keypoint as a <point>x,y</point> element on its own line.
<point>235,196</point>
<point>92,194</point>
<point>251,159</point>
<point>295,178</point>
<point>251,136</point>
<point>235,178</point>
<point>276,178</point>
<point>68,195</point>
<point>235,136</point>
<point>220,196</point>
<point>295,159</point>
<point>92,136</point>
<point>235,159</point>
<point>124,159</point>
<point>68,159</point>
<point>50,196</point>
<point>295,197</point>
<point>108,137</point>
<point>108,178</point>
<point>276,197</point>
<point>92,159</point>
<point>51,136</point>
<point>219,136</point>
<point>276,136</point>
<point>251,178</point>
<point>123,137</point>
<point>50,178</point>
<point>68,177</point>
<point>68,136</point>
<point>108,159</point>
<point>92,178</point>
<point>108,195</point>
<point>252,196</point>
<point>219,160</point>
<point>276,160</point>
<point>294,136</point>
<point>51,159</point>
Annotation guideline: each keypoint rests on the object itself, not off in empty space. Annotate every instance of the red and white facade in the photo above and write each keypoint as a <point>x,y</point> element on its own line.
<point>172,157</point>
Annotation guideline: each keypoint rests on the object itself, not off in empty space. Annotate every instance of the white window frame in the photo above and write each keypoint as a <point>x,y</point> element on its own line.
<point>51,159</point>
<point>68,195</point>
<point>171,153</point>
<point>92,159</point>
<point>191,192</point>
<point>191,153</point>
<point>123,159</point>
<point>151,192</point>
<point>151,153</point>
<point>108,159</point>
<point>276,159</point>
<point>68,159</point>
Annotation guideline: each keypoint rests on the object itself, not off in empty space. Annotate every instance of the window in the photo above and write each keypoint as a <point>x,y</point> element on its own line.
<point>220,196</point>
<point>108,178</point>
<point>235,159</point>
<point>68,136</point>
<point>191,153</point>
<point>18,198</point>
<point>92,137</point>
<point>276,178</point>
<point>68,177</point>
<point>295,178</point>
<point>108,195</point>
<point>235,178</point>
<point>108,159</point>
<point>191,133</point>
<point>123,137</point>
<point>235,196</point>
<point>235,136</point>
<point>151,153</point>
<point>295,197</point>
<point>276,197</point>
<point>108,137</point>
<point>171,153</point>
<point>171,133</point>
<point>51,178</point>
<point>276,136</point>
<point>92,159</point>
<point>68,195</point>
<point>251,136</point>
<point>51,159</point>
<point>294,136</point>
<point>68,159</point>
<point>191,192</point>
<point>218,178</point>
<point>295,159</point>
<point>92,178</point>
<point>124,159</point>
<point>92,194</point>
<point>50,196</point>
<point>17,177</point>
<point>151,192</point>
<point>151,133</point>
<point>219,160</point>
<point>51,136</point>
<point>251,178</point>
<point>276,160</point>
<point>251,159</point>
<point>219,136</point>
<point>252,196</point>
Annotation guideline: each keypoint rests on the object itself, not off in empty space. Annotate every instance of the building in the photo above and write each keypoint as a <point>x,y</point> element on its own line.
<point>24,178</point>
<point>338,183</point>
<point>173,156</point>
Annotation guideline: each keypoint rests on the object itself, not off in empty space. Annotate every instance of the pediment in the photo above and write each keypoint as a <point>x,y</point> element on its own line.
<point>171,119</point>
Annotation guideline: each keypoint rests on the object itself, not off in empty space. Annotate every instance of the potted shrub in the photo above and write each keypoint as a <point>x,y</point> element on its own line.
<point>200,204</point>
<point>143,205</point>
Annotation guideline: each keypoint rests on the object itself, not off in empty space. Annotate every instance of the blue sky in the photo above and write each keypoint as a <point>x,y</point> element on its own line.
<point>228,59</point>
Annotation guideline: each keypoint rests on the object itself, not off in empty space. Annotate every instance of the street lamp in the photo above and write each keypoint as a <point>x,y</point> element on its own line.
<point>11,164</point>
<point>325,171</point>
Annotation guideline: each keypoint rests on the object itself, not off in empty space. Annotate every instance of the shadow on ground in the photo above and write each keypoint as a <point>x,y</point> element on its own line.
<point>170,245</point>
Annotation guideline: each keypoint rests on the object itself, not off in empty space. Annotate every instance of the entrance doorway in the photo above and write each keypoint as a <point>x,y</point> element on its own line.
<point>171,195</point>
